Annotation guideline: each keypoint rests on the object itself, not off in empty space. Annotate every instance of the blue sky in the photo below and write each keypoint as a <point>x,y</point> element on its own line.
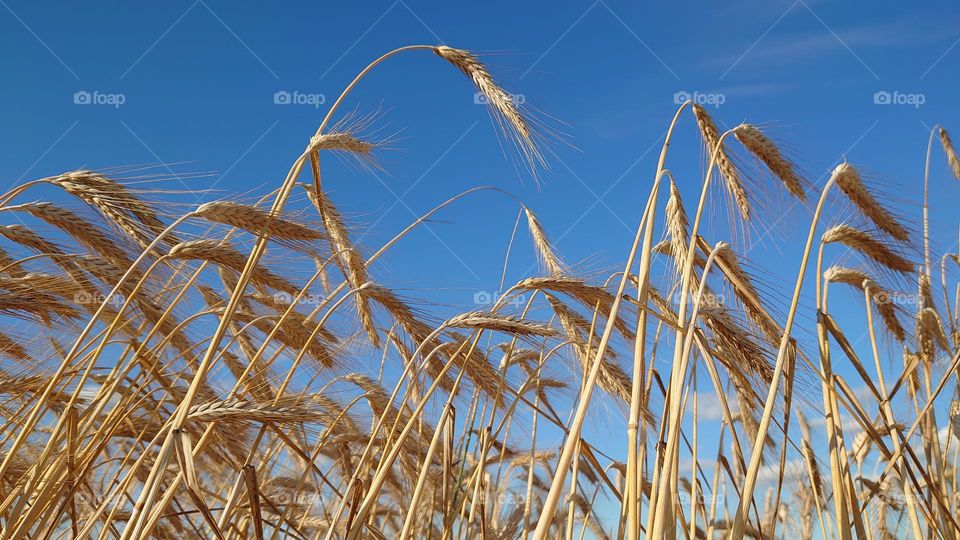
<point>198,79</point>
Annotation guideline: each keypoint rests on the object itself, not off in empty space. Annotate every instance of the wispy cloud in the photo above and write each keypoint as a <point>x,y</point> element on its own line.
<point>710,409</point>
<point>814,40</point>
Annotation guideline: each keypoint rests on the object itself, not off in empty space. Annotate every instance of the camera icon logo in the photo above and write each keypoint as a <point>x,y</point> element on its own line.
<point>882,98</point>
<point>82,98</point>
<point>681,97</point>
<point>281,97</point>
<point>482,298</point>
<point>82,298</point>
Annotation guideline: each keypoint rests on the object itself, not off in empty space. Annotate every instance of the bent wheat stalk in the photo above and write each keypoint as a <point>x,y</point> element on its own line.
<point>661,500</point>
<point>632,497</point>
<point>740,518</point>
<point>887,410</point>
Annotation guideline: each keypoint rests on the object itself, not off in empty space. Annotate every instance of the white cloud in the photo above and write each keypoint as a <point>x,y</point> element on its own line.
<point>709,407</point>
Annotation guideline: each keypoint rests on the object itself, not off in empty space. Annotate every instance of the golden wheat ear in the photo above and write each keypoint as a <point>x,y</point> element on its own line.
<point>678,224</point>
<point>258,221</point>
<point>882,298</point>
<point>500,323</point>
<point>873,248</point>
<point>930,334</point>
<point>227,256</point>
<point>731,177</point>
<point>116,202</point>
<point>850,182</point>
<point>348,258</point>
<point>766,151</point>
<point>950,151</point>
<point>551,261</point>
<point>515,125</point>
<point>85,233</point>
<point>347,144</point>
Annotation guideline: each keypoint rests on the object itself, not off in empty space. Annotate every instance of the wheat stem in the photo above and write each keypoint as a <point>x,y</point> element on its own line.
<point>746,496</point>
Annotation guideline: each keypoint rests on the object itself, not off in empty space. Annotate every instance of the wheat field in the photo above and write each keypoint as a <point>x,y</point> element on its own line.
<point>167,373</point>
